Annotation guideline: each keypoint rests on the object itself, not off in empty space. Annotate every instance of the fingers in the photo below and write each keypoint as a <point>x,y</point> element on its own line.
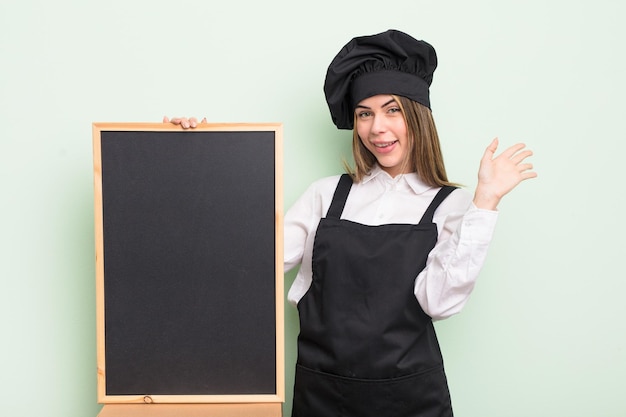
<point>525,167</point>
<point>515,153</point>
<point>518,159</point>
<point>173,120</point>
<point>509,152</point>
<point>184,122</point>
<point>526,171</point>
<point>491,149</point>
<point>517,156</point>
<point>497,176</point>
<point>520,156</point>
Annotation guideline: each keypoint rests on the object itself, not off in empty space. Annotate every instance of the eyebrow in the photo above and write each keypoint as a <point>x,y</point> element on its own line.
<point>384,105</point>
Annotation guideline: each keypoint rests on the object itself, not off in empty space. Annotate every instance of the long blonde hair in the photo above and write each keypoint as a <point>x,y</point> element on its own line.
<point>424,156</point>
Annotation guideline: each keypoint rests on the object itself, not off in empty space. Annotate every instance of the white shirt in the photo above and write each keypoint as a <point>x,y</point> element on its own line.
<point>464,234</point>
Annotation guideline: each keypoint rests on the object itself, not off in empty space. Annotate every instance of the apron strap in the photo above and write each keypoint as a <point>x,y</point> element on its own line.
<point>441,195</point>
<point>345,184</point>
<point>340,197</point>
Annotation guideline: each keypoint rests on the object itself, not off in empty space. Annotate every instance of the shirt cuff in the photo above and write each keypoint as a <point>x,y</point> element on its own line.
<point>481,223</point>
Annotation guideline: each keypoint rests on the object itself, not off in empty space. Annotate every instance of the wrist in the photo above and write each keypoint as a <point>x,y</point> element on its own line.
<point>484,199</point>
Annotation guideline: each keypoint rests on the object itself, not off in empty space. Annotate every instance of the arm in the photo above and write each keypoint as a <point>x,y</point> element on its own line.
<point>444,286</point>
<point>301,223</point>
<point>297,228</point>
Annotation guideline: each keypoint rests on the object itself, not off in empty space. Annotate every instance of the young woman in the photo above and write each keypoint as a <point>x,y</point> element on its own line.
<point>389,247</point>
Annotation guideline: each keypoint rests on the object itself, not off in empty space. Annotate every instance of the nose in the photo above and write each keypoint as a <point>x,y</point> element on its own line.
<point>379,124</point>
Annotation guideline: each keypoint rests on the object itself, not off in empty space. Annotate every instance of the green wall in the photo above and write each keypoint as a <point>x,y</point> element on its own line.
<point>544,333</point>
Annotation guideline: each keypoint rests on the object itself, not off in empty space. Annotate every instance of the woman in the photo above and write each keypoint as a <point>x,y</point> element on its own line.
<point>391,246</point>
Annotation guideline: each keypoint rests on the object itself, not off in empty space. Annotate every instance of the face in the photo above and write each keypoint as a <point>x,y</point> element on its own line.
<point>382,129</point>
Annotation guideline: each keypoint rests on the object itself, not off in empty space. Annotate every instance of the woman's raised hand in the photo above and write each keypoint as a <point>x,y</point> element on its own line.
<point>184,122</point>
<point>498,175</point>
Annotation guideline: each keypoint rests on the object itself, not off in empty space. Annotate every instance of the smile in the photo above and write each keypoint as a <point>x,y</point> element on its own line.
<point>385,145</point>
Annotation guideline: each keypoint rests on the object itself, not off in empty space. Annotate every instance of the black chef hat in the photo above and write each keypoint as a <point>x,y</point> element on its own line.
<point>391,62</point>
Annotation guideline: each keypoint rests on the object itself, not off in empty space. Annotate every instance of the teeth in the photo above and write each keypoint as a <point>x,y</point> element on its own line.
<point>384,145</point>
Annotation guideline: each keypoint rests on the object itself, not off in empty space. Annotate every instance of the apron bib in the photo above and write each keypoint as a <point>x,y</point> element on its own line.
<point>366,347</point>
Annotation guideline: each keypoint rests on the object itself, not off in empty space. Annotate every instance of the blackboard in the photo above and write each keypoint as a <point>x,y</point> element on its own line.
<point>189,262</point>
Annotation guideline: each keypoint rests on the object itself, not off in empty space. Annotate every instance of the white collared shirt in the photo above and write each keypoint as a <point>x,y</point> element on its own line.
<point>443,287</point>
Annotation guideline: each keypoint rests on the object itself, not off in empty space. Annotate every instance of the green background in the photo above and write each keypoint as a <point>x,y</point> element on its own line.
<point>544,332</point>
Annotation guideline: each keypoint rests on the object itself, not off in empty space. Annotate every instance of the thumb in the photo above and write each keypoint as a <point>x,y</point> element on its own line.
<point>491,149</point>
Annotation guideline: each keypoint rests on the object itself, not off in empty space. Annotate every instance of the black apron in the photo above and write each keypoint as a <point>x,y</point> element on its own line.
<point>366,347</point>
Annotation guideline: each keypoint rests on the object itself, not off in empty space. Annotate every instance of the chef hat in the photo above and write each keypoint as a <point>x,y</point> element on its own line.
<point>391,62</point>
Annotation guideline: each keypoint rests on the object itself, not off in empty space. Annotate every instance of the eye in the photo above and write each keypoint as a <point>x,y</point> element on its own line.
<point>364,114</point>
<point>393,110</point>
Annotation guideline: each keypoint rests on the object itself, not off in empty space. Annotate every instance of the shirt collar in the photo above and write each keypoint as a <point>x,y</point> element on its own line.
<point>412,180</point>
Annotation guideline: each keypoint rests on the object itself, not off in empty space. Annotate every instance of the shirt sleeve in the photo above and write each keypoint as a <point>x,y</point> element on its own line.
<point>296,229</point>
<point>445,284</point>
<point>301,220</point>
<point>300,225</point>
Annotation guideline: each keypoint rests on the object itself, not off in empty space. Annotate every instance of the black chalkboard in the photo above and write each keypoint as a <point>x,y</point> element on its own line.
<point>188,241</point>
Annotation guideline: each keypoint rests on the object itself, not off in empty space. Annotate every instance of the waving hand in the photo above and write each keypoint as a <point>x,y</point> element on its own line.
<point>498,175</point>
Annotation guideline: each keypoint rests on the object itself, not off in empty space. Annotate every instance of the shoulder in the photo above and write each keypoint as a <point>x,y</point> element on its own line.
<point>317,196</point>
<point>461,194</point>
<point>323,186</point>
<point>459,200</point>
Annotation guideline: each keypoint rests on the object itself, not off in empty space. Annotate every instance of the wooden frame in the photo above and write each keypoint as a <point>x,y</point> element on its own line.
<point>264,404</point>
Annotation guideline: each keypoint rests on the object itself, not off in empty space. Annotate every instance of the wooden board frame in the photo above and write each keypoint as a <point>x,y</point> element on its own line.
<point>240,402</point>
